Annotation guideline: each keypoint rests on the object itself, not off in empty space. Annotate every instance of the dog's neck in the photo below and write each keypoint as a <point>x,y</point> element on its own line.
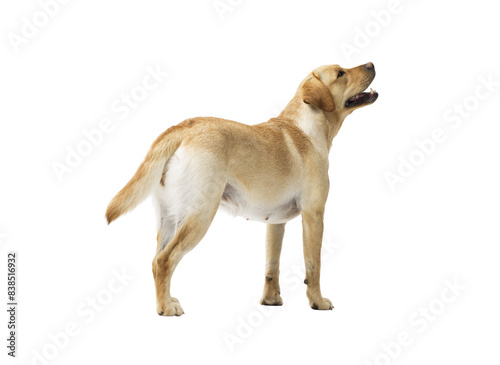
<point>317,124</point>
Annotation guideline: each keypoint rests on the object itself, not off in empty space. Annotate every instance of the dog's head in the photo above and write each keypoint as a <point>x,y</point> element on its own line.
<point>335,89</point>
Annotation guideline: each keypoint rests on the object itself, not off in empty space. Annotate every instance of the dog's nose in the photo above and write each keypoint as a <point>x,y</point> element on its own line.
<point>370,66</point>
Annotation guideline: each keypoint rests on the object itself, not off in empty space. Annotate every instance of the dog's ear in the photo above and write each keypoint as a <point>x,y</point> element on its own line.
<point>315,92</point>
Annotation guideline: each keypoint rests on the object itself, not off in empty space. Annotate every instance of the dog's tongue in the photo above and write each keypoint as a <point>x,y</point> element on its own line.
<point>363,94</point>
<point>362,98</point>
<point>356,97</point>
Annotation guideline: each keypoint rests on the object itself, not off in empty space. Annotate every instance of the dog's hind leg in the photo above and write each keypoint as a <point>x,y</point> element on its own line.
<point>189,227</point>
<point>188,235</point>
<point>274,240</point>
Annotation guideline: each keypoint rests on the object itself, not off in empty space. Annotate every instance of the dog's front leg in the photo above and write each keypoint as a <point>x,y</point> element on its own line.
<point>312,225</point>
<point>274,241</point>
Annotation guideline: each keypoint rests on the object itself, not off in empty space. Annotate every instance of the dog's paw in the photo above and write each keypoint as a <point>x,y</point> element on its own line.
<point>271,300</point>
<point>322,304</point>
<point>170,307</point>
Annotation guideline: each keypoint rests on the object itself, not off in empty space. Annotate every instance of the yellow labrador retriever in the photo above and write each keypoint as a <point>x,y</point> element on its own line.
<point>269,172</point>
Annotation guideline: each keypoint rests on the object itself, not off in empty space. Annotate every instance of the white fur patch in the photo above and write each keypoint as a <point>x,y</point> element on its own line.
<point>237,202</point>
<point>192,184</point>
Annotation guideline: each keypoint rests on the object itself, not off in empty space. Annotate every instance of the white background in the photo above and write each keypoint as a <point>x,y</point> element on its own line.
<point>393,250</point>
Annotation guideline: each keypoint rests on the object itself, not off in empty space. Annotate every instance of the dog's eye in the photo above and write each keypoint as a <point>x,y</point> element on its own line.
<point>341,73</point>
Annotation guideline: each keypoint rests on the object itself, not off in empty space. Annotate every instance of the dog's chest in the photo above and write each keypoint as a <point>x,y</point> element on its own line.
<point>238,203</point>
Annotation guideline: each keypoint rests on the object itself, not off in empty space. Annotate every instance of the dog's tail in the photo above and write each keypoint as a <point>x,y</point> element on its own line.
<point>147,176</point>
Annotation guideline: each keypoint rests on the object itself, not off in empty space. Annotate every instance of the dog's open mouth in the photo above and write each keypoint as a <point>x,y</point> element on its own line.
<point>363,98</point>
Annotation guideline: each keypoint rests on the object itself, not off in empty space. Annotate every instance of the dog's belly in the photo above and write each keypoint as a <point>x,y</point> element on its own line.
<point>237,203</point>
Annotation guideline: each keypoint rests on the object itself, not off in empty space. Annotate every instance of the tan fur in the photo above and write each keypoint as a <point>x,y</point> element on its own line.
<point>147,176</point>
<point>274,241</point>
<point>271,171</point>
<point>315,92</point>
